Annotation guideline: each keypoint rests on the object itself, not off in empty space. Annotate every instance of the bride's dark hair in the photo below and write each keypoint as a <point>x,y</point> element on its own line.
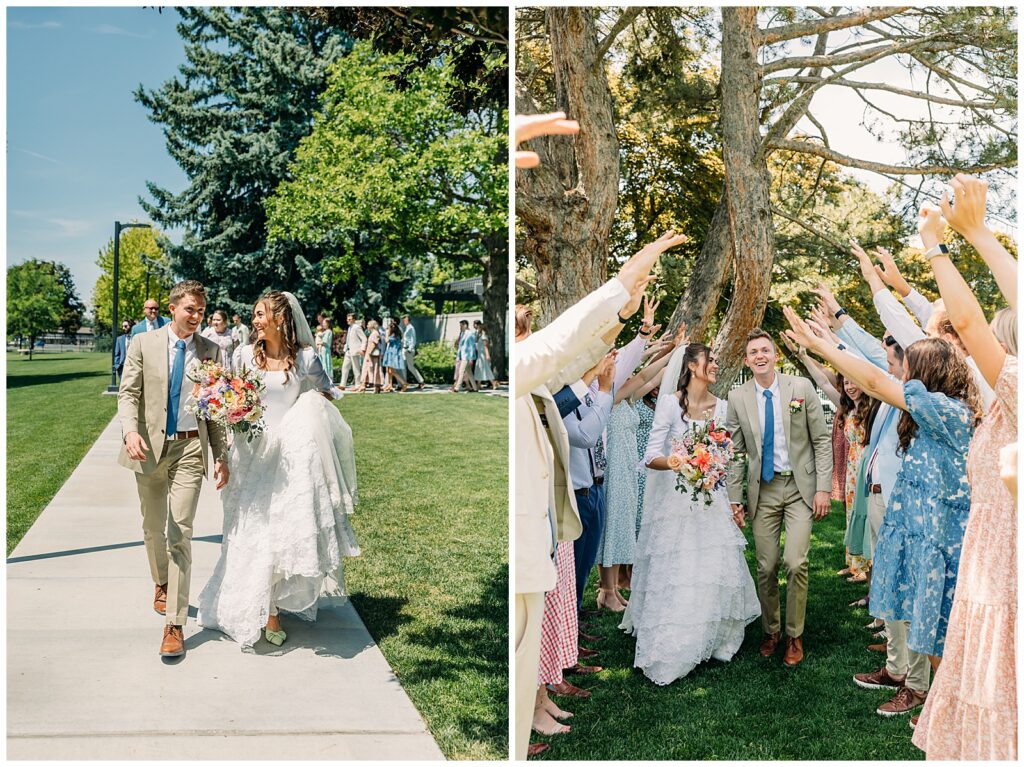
<point>692,354</point>
<point>277,305</point>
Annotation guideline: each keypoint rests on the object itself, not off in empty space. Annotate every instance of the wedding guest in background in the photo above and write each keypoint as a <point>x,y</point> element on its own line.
<point>326,349</point>
<point>393,362</point>
<point>464,356</point>
<point>971,713</point>
<point>121,347</point>
<point>482,371</point>
<point>220,333</point>
<point>409,348</point>
<point>152,320</point>
<point>372,374</point>
<point>239,331</point>
<point>355,347</point>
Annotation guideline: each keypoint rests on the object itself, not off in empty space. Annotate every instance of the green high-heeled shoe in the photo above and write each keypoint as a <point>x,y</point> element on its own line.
<point>275,637</point>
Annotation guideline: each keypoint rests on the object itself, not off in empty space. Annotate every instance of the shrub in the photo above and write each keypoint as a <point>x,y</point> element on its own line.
<point>436,362</point>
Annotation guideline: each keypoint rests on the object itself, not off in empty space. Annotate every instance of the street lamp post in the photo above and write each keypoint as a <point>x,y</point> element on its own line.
<point>118,226</point>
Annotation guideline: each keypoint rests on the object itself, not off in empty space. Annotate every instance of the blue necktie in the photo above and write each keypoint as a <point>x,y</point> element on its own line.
<point>174,395</point>
<point>768,440</point>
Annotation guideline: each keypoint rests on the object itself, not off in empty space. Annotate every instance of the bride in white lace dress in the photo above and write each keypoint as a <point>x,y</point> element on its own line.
<point>692,594</point>
<point>286,508</point>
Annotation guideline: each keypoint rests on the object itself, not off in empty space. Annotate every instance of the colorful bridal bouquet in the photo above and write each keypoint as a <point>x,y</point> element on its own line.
<point>233,401</point>
<point>701,460</point>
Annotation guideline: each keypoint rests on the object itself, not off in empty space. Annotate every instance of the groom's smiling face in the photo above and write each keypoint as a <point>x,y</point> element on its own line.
<point>187,314</point>
<point>761,356</point>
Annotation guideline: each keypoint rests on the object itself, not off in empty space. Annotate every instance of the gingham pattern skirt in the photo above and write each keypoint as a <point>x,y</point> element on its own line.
<point>559,632</point>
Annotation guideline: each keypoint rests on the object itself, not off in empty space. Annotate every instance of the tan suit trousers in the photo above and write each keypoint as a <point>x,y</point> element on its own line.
<point>900,660</point>
<point>780,505</point>
<point>529,617</point>
<point>876,513</point>
<point>169,495</point>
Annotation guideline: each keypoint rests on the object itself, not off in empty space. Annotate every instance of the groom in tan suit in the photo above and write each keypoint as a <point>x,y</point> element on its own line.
<point>778,421</point>
<point>168,448</point>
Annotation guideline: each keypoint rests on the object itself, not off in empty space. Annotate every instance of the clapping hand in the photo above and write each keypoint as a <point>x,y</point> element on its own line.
<point>532,126</point>
<point>967,213</point>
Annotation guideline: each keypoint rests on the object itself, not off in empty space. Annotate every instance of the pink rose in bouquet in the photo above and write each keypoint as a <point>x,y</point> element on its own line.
<point>234,402</point>
<point>701,460</point>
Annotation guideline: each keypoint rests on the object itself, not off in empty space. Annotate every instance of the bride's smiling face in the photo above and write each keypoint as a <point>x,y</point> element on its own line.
<point>705,369</point>
<point>264,322</point>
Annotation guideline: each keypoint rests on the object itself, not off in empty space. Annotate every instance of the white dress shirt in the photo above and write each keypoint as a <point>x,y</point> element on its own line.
<point>186,421</point>
<point>781,456</point>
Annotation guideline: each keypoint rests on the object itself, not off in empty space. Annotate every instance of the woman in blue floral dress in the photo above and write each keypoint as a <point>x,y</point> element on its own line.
<point>917,553</point>
<point>644,409</point>
<point>394,359</point>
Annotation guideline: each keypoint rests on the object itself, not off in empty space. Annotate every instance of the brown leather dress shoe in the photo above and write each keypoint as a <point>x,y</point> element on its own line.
<point>578,669</point>
<point>160,599</point>
<point>794,651</point>
<point>590,638</point>
<point>174,642</point>
<point>536,749</point>
<point>588,653</point>
<point>569,689</point>
<point>771,641</point>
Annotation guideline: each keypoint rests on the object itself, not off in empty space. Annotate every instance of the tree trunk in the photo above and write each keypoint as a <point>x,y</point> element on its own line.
<point>697,305</point>
<point>567,205</point>
<point>749,217</point>
<point>496,305</point>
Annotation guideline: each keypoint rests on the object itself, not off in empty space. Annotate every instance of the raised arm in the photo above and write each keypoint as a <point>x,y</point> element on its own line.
<point>868,378</point>
<point>967,216</point>
<point>965,313</point>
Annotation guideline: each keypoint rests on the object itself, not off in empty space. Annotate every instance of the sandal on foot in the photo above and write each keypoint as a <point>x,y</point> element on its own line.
<point>275,637</point>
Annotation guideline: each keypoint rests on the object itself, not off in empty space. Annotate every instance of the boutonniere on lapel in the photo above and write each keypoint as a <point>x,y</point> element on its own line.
<point>796,405</point>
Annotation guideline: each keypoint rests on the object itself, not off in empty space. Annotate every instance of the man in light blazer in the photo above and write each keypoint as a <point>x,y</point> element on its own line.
<point>778,422</point>
<point>168,449</point>
<point>355,347</point>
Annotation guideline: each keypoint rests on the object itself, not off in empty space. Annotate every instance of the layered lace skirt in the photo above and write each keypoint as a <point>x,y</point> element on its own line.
<point>286,527</point>
<point>692,594</point>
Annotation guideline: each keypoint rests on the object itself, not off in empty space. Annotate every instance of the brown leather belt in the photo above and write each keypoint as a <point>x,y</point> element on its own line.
<point>875,489</point>
<point>185,435</point>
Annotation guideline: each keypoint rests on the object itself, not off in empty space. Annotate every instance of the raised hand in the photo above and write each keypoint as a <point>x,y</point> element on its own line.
<point>931,225</point>
<point>828,298</point>
<point>967,213</point>
<point>650,307</point>
<point>532,126</point>
<point>606,372</point>
<point>640,263</point>
<point>635,296</point>
<point>680,337</point>
<point>890,273</point>
<point>867,269</point>
<point>799,351</point>
<point>800,332</point>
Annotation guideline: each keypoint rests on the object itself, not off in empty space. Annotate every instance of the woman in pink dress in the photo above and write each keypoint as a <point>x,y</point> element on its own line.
<point>971,711</point>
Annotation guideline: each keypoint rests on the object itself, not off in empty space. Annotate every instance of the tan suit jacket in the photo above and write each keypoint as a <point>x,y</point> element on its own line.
<point>142,400</point>
<point>572,340</point>
<point>808,439</point>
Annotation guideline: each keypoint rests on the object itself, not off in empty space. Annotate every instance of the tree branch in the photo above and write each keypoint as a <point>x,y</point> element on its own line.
<point>800,222</point>
<point>624,21</point>
<point>856,84</point>
<point>806,147</point>
<point>929,43</point>
<point>827,24</point>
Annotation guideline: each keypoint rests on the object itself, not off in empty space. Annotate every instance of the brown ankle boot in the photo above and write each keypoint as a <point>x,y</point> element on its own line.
<point>771,641</point>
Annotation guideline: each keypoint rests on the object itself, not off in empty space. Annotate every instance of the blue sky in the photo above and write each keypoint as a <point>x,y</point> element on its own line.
<point>79,148</point>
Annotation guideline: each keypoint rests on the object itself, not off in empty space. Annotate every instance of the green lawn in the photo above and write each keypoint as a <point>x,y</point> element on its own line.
<point>432,584</point>
<point>54,414</point>
<point>750,708</point>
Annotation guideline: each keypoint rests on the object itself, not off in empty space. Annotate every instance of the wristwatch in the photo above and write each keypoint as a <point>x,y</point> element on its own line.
<point>623,321</point>
<point>840,313</point>
<point>937,250</point>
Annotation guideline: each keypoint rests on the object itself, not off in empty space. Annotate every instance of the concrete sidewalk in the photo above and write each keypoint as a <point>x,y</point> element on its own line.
<point>85,681</point>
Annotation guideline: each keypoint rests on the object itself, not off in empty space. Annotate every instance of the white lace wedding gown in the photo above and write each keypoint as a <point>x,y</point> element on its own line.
<point>692,593</point>
<point>286,507</point>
